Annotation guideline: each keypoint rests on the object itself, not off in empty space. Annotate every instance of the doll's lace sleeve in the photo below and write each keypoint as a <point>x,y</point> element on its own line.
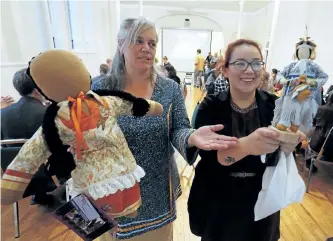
<point>118,106</point>
<point>19,173</point>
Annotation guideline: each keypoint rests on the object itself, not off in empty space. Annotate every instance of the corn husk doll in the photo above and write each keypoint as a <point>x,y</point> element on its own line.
<point>104,167</point>
<point>294,111</point>
<point>302,80</point>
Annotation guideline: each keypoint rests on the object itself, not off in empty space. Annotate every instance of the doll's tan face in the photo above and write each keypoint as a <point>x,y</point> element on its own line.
<point>248,80</point>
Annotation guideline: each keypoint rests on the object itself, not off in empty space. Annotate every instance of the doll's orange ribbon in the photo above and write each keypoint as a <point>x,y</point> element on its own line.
<point>76,112</point>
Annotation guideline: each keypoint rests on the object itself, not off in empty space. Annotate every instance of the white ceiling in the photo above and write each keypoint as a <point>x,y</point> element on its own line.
<point>249,6</point>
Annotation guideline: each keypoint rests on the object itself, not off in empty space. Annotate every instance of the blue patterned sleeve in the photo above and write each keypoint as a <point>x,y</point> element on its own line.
<point>180,128</point>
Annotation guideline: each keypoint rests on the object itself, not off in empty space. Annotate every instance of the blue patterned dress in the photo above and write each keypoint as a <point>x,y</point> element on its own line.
<point>151,140</point>
<point>288,109</point>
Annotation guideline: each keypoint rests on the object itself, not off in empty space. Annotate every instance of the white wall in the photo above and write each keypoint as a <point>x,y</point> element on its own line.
<point>21,38</point>
<point>257,25</point>
<point>293,16</point>
<point>27,29</point>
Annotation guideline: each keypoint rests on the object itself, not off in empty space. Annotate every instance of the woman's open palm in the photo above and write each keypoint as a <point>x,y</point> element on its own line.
<point>206,138</point>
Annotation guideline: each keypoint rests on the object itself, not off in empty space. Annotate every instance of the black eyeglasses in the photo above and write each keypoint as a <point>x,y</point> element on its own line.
<point>243,65</point>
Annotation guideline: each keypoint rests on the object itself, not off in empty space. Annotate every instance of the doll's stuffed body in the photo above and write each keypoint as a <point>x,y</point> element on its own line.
<point>105,168</point>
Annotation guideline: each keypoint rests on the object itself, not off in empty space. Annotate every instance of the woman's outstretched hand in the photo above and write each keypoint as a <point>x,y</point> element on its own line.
<point>206,138</point>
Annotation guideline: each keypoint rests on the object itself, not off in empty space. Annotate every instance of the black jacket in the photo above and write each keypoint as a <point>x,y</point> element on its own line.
<point>209,191</point>
<point>22,119</point>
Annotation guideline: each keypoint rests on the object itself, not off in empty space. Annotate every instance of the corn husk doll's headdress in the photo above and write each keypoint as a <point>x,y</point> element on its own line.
<point>305,44</point>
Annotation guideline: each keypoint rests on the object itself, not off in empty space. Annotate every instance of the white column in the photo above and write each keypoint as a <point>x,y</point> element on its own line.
<point>241,9</point>
<point>272,32</point>
<point>141,8</point>
<point>113,25</point>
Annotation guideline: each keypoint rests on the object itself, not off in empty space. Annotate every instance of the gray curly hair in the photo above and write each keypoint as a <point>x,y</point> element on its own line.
<point>128,33</point>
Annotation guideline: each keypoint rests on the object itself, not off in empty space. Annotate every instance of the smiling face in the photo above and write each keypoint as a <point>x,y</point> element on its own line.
<point>141,55</point>
<point>243,81</point>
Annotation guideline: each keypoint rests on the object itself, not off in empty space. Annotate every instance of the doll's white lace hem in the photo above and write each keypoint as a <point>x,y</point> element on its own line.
<point>109,186</point>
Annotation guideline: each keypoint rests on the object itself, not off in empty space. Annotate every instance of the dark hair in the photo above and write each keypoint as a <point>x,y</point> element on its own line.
<point>235,44</point>
<point>171,70</point>
<point>199,51</point>
<point>275,71</point>
<point>103,68</point>
<point>330,98</point>
<point>165,57</point>
<point>23,83</point>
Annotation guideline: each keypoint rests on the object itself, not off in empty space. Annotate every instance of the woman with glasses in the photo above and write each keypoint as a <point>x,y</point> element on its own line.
<point>227,182</point>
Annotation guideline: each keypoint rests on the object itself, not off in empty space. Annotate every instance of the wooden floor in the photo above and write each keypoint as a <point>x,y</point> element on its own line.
<point>310,221</point>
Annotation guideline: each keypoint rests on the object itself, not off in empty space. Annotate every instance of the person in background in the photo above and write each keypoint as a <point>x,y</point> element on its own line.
<point>207,71</point>
<point>227,182</point>
<point>6,101</point>
<point>214,59</point>
<point>199,68</point>
<point>109,64</point>
<point>221,84</point>
<point>171,73</point>
<point>152,140</point>
<point>209,57</point>
<point>322,124</point>
<point>265,85</point>
<point>274,80</point>
<point>210,83</point>
<point>166,61</point>
<point>21,120</point>
<point>103,70</point>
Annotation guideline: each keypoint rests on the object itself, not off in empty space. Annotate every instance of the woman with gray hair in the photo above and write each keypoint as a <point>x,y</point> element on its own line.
<point>151,139</point>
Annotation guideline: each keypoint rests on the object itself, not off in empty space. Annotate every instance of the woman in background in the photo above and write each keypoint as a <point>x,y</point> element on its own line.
<point>227,182</point>
<point>171,73</point>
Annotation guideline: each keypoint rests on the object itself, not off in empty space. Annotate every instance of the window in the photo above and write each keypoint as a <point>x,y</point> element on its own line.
<point>80,18</point>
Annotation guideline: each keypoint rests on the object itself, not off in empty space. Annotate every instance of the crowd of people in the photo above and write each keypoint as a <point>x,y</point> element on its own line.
<point>245,108</point>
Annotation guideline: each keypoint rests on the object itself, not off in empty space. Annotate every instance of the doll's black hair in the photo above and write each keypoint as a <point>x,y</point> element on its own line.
<point>61,161</point>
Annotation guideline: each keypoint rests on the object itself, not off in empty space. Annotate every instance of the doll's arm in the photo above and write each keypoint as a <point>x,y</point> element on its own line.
<point>123,103</point>
<point>19,173</point>
<point>321,76</point>
<point>284,75</point>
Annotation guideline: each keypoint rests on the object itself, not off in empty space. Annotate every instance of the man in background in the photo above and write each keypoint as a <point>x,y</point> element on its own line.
<point>103,71</point>
<point>20,121</point>
<point>199,68</point>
